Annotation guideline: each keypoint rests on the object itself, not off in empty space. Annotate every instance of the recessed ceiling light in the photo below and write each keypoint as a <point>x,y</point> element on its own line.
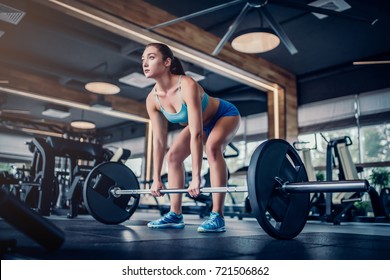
<point>56,113</point>
<point>137,80</point>
<point>102,88</point>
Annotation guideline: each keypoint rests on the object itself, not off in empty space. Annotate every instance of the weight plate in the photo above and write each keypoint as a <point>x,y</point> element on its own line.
<point>99,201</point>
<point>281,215</point>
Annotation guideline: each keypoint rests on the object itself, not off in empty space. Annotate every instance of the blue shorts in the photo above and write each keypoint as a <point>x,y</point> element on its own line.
<point>225,109</point>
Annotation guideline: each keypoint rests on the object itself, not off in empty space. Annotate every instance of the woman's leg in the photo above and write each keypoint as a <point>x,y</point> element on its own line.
<point>177,153</point>
<point>220,136</point>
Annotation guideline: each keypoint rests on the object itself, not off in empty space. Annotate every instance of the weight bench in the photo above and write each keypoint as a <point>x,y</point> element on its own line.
<point>343,201</point>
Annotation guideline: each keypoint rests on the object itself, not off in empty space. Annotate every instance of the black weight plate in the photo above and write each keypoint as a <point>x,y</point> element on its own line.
<point>282,216</point>
<point>99,201</point>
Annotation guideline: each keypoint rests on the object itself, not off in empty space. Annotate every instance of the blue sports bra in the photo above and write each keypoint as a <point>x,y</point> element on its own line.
<point>182,115</point>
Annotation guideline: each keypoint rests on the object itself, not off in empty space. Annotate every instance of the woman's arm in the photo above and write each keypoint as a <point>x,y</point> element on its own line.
<point>159,130</point>
<point>190,94</point>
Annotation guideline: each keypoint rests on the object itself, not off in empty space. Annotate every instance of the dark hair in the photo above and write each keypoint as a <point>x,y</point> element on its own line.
<point>176,67</point>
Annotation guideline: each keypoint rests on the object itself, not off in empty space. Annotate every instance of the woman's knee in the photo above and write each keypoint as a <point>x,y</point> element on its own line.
<point>174,157</point>
<point>214,151</point>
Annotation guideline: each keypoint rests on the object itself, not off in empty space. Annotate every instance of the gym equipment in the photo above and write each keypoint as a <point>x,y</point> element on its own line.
<point>98,198</point>
<point>277,186</point>
<point>80,172</point>
<point>338,205</point>
<point>30,222</point>
<point>271,164</point>
<point>42,190</point>
<point>385,200</point>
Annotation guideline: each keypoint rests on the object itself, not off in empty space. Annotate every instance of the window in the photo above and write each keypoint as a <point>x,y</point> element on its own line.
<point>376,143</point>
<point>373,146</point>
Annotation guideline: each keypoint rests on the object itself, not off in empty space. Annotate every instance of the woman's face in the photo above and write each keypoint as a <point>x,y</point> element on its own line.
<point>153,64</point>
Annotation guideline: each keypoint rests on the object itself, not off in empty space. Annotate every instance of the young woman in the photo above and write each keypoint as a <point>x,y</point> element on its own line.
<point>179,99</point>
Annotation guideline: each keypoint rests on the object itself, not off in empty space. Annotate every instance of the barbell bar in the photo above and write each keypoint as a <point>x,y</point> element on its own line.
<point>278,188</point>
<point>308,187</point>
<point>326,187</point>
<point>117,191</point>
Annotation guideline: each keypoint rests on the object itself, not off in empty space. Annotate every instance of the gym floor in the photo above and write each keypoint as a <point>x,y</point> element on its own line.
<point>87,239</point>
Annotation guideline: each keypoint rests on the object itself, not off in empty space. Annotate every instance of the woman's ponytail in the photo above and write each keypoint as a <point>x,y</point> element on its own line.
<point>176,67</point>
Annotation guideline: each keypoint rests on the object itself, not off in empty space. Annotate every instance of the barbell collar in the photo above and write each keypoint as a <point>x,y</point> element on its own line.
<point>117,191</point>
<point>324,187</point>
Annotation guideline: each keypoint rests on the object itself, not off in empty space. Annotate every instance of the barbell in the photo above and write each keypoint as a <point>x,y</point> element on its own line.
<point>279,191</point>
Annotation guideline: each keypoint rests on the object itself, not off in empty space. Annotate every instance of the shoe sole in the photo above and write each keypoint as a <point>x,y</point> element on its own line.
<point>202,230</point>
<point>167,226</point>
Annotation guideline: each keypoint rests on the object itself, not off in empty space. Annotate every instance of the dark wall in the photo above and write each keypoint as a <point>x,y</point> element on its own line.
<point>349,80</point>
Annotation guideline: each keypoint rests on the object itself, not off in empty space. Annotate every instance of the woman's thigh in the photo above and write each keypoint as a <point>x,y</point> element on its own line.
<point>224,131</point>
<point>180,148</point>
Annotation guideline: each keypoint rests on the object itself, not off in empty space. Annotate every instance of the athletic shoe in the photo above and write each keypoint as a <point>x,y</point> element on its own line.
<point>169,220</point>
<point>215,223</point>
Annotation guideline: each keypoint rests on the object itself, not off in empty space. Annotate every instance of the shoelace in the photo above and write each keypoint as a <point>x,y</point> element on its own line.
<point>170,218</point>
<point>213,220</point>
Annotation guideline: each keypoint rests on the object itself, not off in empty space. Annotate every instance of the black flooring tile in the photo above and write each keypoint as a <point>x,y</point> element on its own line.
<point>87,239</point>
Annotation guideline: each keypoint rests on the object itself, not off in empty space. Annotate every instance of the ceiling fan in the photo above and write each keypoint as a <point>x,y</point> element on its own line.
<point>261,6</point>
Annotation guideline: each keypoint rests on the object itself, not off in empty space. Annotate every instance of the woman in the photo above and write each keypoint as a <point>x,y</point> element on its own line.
<point>179,99</point>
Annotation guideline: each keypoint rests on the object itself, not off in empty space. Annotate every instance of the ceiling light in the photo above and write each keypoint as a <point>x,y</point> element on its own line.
<point>137,80</point>
<point>255,40</point>
<point>102,88</point>
<point>80,124</point>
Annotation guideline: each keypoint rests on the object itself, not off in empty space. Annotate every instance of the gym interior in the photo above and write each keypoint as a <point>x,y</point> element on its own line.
<point>309,168</point>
